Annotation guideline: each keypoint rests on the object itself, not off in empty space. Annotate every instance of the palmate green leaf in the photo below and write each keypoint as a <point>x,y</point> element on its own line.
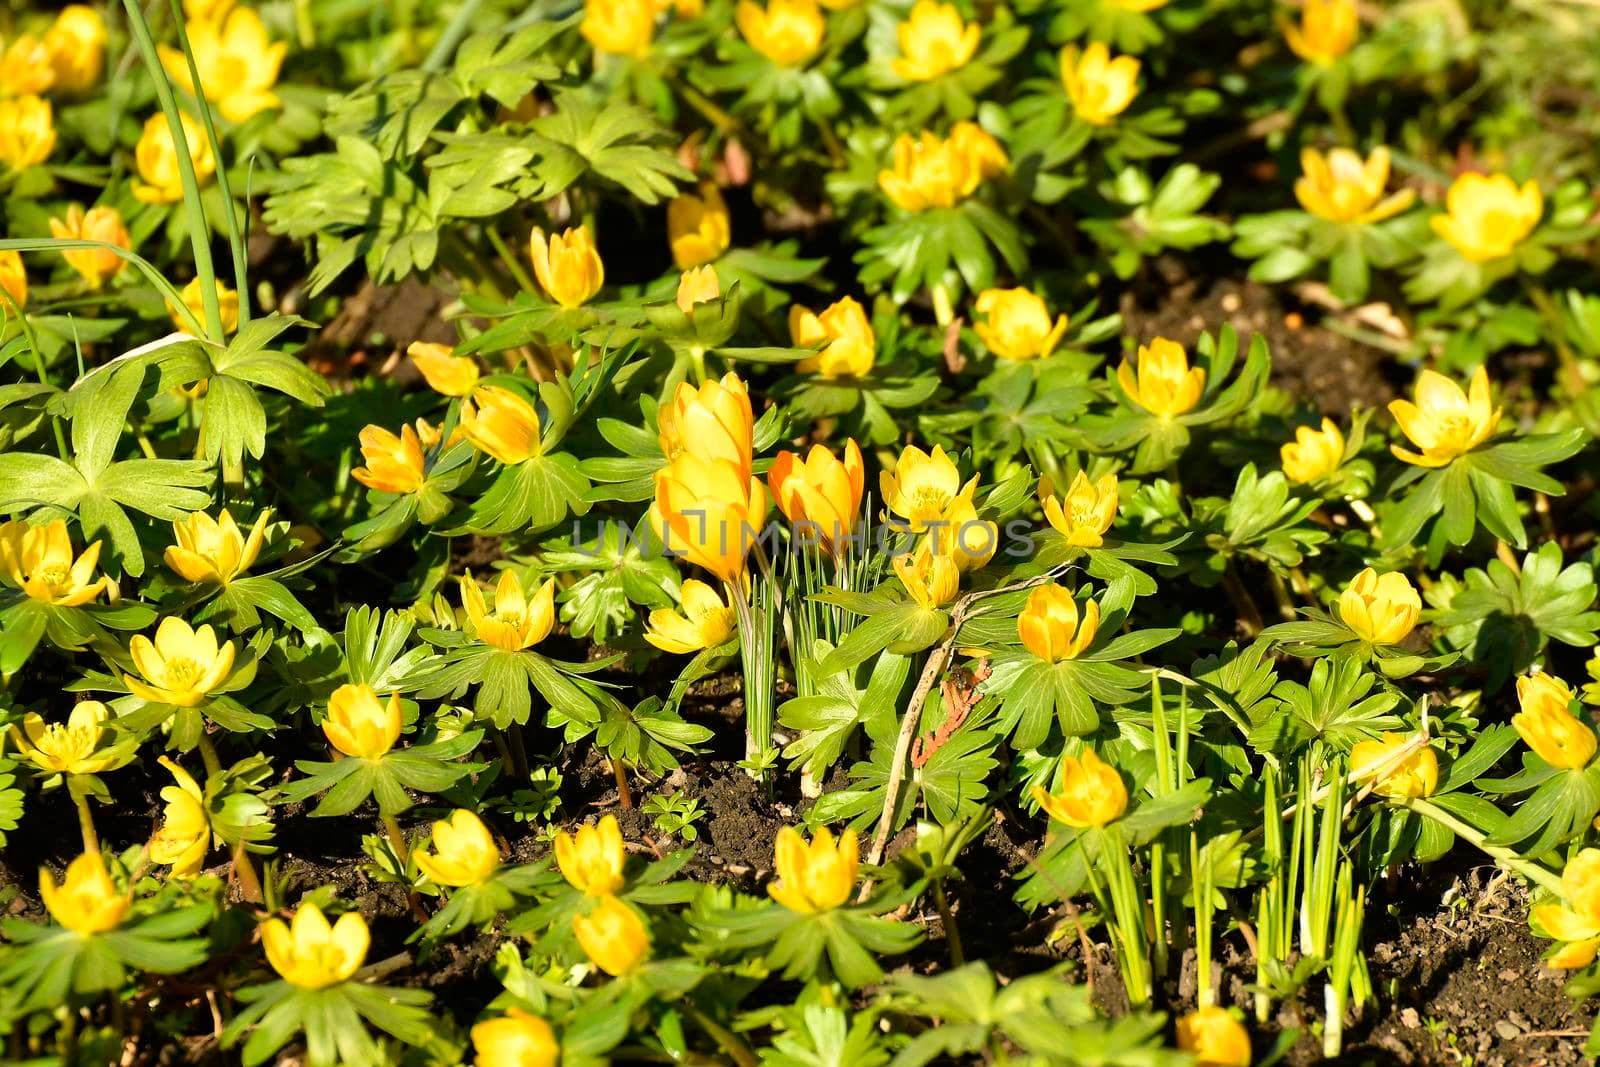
<point>508,68</point>
<point>609,140</point>
<point>533,495</point>
<point>1559,810</point>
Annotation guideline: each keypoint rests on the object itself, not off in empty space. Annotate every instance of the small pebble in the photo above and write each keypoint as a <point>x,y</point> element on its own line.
<point>1506,1030</point>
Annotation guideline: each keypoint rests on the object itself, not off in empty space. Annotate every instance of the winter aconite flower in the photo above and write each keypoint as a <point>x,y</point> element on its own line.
<point>215,550</point>
<point>816,877</point>
<point>612,936</point>
<point>464,852</point>
<point>311,954</point>
<point>1164,384</point>
<point>1342,187</point>
<point>501,423</point>
<point>619,27</point>
<point>27,131</point>
<point>922,487</point>
<point>1313,454</point>
<point>715,421</point>
<point>516,622</point>
<point>74,747</point>
<point>969,541</point>
<point>238,63</point>
<point>849,348</point>
<point>1327,30</point>
<point>1546,723</point>
<point>102,224</point>
<point>194,299</point>
<point>1016,324</point>
<point>567,265</point>
<point>697,226</point>
<point>14,281</point>
<point>87,901</point>
<point>931,578</point>
<point>445,374</point>
<point>76,43</point>
<point>820,494</point>
<point>591,860</point>
<point>181,667</point>
<point>1215,1037</point>
<point>515,1039</point>
<point>394,464</point>
<point>359,724</point>
<point>1381,609</point>
<point>1100,87</point>
<point>185,834</point>
<point>38,560</point>
<point>696,286</point>
<point>1053,628</point>
<point>1487,216</point>
<point>1414,775</point>
<point>1092,793</point>
<point>930,172</point>
<point>160,178</point>
<point>25,67</point>
<point>706,621</point>
<point>1444,422</point>
<point>934,40</point>
<point>788,32</point>
<point>1086,512</point>
<point>709,511</point>
<point>1575,922</point>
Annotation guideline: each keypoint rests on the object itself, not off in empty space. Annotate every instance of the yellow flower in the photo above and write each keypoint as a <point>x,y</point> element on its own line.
<point>592,859</point>
<point>817,877</point>
<point>821,494</point>
<point>463,851</point>
<point>516,622</point>
<point>1092,793</point>
<point>1487,216</point>
<point>1100,88</point>
<point>1381,609</point>
<point>214,550</point>
<point>202,9</point>
<point>934,40</point>
<point>1342,187</point>
<point>27,131</point>
<point>710,512</point>
<point>714,422</point>
<point>1445,421</point>
<point>38,560</point>
<point>705,622</point>
<point>25,67</point>
<point>157,156</point>
<point>1547,726</point>
<point>102,224</point>
<point>1417,775</point>
<point>922,487</point>
<point>394,464</point>
<point>360,725</point>
<point>14,280</point>
<point>445,374</point>
<point>612,936</point>
<point>932,173</point>
<point>1165,385</point>
<point>1216,1038</point>
<point>73,748</point>
<point>1577,924</point>
<point>696,286</point>
<point>848,346</point>
<point>1051,626</point>
<point>1086,513</point>
<point>1313,454</point>
<point>502,424</point>
<point>619,27</point>
<point>931,578</point>
<point>181,667</point>
<point>87,901</point>
<point>567,265</point>
<point>697,226</point>
<point>788,32</point>
<point>515,1039</point>
<point>237,61</point>
<point>76,42</point>
<point>194,299</point>
<point>1327,30</point>
<point>1017,324</point>
<point>310,953</point>
<point>968,540</point>
<point>185,834</point>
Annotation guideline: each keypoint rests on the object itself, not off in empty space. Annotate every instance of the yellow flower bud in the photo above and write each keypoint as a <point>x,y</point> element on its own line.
<point>14,280</point>
<point>705,622</point>
<point>214,550</point>
<point>194,299</point>
<point>1215,1037</point>
<point>1546,723</point>
<point>463,852</point>
<point>1327,30</point>
<point>76,43</point>
<point>1017,324</point>
<point>515,1039</point>
<point>237,61</point>
<point>698,230</point>
<point>25,67</point>
<point>516,622</point>
<point>613,936</point>
<point>592,859</point>
<point>715,422</point>
<point>1100,87</point>
<point>501,423</point>
<point>394,464</point>
<point>788,32</point>
<point>848,347</point>
<point>567,265</point>
<point>38,560</point>
<point>710,511</point>
<point>1051,626</point>
<point>1342,187</point>
<point>310,953</point>
<point>619,27</point>
<point>934,40</point>
<point>1381,609</point>
<point>816,877</point>
<point>1576,923</point>
<point>1313,454</point>
<point>1086,513</point>
<point>922,487</point>
<point>696,286</point>
<point>181,667</point>
<point>70,748</point>
<point>445,374</point>
<point>161,180</point>
<point>1092,793</point>
<point>1416,775</point>
<point>87,901</point>
<point>820,494</point>
<point>1445,422</point>
<point>932,173</point>
<point>98,224</point>
<point>931,578</point>
<point>1164,385</point>
<point>185,834</point>
<point>359,724</point>
<point>1487,216</point>
<point>27,131</point>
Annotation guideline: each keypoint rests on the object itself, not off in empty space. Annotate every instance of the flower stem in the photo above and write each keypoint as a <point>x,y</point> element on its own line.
<point>91,840</point>
<point>1506,857</point>
<point>624,794</point>
<point>245,872</point>
<point>397,839</point>
<point>952,934</point>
